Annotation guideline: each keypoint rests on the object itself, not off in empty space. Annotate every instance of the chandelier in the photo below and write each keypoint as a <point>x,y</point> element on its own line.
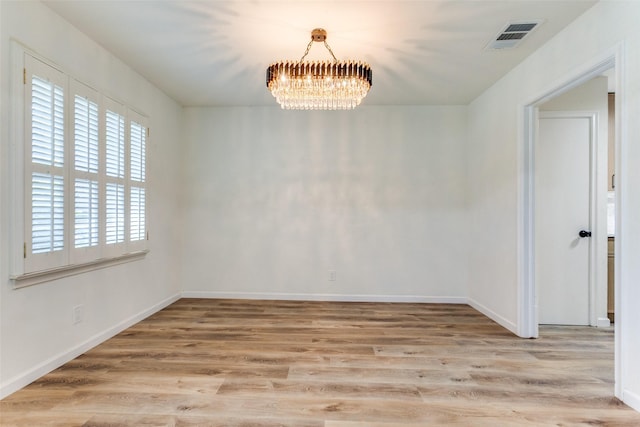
<point>319,85</point>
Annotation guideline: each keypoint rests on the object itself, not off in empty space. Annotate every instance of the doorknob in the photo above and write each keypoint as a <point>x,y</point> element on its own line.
<point>584,233</point>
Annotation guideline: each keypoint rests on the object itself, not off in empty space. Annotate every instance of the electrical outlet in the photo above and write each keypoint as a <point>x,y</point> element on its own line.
<point>332,275</point>
<point>78,314</point>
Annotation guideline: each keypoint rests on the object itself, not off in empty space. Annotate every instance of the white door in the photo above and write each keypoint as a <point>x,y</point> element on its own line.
<point>562,211</point>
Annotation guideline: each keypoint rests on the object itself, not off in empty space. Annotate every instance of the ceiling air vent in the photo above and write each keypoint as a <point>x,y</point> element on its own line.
<point>512,35</point>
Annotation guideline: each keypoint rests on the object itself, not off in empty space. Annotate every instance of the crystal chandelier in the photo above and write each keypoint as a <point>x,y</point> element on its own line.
<point>319,85</point>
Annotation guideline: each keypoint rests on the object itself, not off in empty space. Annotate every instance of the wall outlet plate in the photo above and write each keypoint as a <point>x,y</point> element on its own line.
<point>78,314</point>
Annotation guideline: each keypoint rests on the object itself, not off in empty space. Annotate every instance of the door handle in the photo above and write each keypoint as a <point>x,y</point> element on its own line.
<point>584,233</point>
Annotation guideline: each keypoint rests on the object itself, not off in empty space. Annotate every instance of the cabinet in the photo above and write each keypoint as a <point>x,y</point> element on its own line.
<point>610,279</point>
<point>612,141</point>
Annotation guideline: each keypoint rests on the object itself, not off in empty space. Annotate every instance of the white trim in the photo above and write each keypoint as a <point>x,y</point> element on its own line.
<point>16,383</point>
<point>526,293</point>
<point>502,321</point>
<point>28,279</point>
<point>631,399</point>
<point>324,297</point>
<point>527,305</point>
<point>16,163</point>
<point>620,287</point>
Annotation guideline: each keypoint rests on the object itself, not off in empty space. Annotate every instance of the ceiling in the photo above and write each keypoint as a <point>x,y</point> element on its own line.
<point>214,53</point>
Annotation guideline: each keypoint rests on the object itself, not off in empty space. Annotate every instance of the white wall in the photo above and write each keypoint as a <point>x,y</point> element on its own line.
<point>36,331</point>
<point>589,96</point>
<point>277,199</point>
<point>495,136</point>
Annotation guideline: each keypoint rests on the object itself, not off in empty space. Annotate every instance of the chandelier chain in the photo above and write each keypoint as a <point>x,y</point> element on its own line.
<point>306,52</point>
<point>330,51</point>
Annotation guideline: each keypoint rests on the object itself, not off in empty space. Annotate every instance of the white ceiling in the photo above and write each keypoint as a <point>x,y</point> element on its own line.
<point>214,53</point>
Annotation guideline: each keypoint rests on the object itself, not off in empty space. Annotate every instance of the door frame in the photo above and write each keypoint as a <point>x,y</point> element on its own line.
<point>527,326</point>
<point>598,233</point>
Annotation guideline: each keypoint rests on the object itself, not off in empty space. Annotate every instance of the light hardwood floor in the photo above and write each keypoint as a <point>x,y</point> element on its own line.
<point>311,364</point>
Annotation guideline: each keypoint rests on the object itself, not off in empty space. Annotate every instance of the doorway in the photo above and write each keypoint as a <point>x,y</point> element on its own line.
<point>528,314</point>
<point>570,193</point>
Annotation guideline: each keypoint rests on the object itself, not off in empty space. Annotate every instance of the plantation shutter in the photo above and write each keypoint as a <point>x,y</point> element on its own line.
<point>45,166</point>
<point>137,182</point>
<point>115,163</point>
<point>86,221</point>
<point>115,144</point>
<point>86,160</point>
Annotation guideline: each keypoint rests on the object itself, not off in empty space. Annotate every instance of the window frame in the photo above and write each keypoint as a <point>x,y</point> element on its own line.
<point>28,268</point>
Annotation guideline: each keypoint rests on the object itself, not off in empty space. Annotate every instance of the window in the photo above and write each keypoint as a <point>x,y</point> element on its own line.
<point>85,196</point>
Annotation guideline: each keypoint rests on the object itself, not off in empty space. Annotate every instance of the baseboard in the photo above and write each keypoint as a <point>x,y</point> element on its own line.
<point>49,365</point>
<point>506,323</point>
<point>631,399</point>
<point>324,297</point>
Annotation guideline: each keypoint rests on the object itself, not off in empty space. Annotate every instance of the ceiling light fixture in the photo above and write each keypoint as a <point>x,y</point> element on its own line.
<point>319,85</point>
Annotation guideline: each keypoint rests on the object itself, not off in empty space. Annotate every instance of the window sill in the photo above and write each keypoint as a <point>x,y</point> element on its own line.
<point>29,279</point>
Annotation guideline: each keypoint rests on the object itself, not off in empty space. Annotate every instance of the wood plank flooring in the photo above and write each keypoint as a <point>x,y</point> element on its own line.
<point>327,364</point>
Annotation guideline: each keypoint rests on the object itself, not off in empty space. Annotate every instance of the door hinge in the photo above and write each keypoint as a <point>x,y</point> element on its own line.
<point>24,76</point>
<point>147,235</point>
<point>148,132</point>
<point>24,253</point>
